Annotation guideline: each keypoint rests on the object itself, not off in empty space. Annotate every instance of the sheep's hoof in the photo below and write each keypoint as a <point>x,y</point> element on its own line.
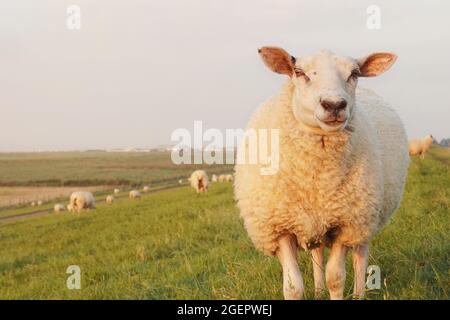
<point>293,294</point>
<point>320,293</point>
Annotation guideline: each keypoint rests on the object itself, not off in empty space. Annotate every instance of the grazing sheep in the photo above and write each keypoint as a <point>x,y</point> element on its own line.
<point>59,207</point>
<point>199,181</point>
<point>109,199</point>
<point>420,146</point>
<point>229,178</point>
<point>33,204</point>
<point>214,178</point>
<point>40,203</point>
<point>134,194</point>
<point>180,181</point>
<point>80,200</point>
<point>222,178</point>
<point>343,159</point>
<point>116,191</point>
<point>146,189</point>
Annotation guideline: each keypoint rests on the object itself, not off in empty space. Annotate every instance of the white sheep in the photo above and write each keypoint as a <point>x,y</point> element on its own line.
<point>58,207</point>
<point>229,178</point>
<point>39,203</point>
<point>420,146</point>
<point>199,181</point>
<point>116,191</point>
<point>222,178</point>
<point>180,181</point>
<point>80,200</point>
<point>146,189</point>
<point>134,194</point>
<point>343,159</point>
<point>33,204</point>
<point>109,199</point>
<point>214,178</point>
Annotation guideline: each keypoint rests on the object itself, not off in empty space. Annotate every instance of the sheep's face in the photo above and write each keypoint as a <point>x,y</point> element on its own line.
<point>325,90</point>
<point>325,83</point>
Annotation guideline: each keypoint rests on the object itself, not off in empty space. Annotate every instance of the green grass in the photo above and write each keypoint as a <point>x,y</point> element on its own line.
<point>176,244</point>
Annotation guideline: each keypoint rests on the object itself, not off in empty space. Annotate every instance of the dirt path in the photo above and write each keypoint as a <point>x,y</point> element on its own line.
<point>39,213</point>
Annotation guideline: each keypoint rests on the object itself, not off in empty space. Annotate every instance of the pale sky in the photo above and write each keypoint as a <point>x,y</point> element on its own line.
<point>138,70</point>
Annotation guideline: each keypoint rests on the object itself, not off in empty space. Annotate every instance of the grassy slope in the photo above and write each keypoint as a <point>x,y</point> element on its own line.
<point>175,244</point>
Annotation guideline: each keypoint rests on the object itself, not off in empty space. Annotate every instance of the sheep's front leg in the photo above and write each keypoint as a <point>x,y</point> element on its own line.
<point>292,279</point>
<point>319,274</point>
<point>360,256</point>
<point>335,271</point>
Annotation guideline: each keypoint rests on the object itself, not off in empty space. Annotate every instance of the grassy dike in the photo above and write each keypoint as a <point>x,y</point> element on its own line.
<point>176,244</point>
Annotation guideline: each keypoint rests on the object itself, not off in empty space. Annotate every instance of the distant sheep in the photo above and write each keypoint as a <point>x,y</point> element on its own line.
<point>80,200</point>
<point>146,189</point>
<point>343,160</point>
<point>214,178</point>
<point>134,194</point>
<point>58,207</point>
<point>420,146</point>
<point>199,181</point>
<point>229,178</point>
<point>33,204</point>
<point>222,178</point>
<point>40,203</point>
<point>180,181</point>
<point>116,191</point>
<point>109,199</point>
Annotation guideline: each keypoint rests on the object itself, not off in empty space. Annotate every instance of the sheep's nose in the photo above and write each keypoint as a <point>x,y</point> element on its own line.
<point>335,105</point>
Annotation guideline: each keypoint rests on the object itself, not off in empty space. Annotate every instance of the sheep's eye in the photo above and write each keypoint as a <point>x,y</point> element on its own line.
<point>354,75</point>
<point>301,73</point>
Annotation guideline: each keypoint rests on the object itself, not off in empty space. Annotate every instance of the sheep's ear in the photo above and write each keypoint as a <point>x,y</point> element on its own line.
<point>278,60</point>
<point>376,63</point>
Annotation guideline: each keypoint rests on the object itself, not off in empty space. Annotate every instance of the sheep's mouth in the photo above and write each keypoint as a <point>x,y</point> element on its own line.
<point>333,123</point>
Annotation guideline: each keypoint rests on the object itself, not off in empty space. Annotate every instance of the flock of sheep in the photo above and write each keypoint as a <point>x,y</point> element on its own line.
<point>84,200</point>
<point>80,200</point>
